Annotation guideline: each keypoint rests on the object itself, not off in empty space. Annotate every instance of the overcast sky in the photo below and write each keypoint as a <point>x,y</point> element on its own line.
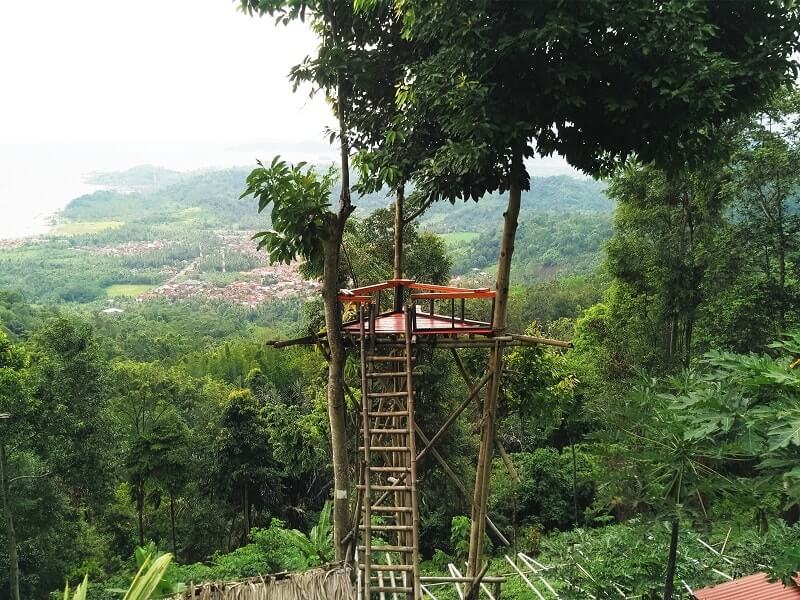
<point>93,85</point>
<point>151,70</point>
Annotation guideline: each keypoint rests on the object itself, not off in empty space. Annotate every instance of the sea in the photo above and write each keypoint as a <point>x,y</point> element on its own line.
<point>38,178</point>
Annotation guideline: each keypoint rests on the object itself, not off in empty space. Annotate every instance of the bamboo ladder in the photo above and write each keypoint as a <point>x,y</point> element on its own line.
<point>389,564</point>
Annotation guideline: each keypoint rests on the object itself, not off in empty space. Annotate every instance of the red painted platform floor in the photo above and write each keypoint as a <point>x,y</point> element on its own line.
<point>426,325</point>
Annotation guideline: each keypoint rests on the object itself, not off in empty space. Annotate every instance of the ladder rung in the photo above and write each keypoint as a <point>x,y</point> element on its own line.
<point>388,527</point>
<point>387,394</point>
<point>392,374</point>
<point>388,548</point>
<point>386,567</point>
<point>388,358</point>
<point>388,413</point>
<point>386,488</point>
<point>390,509</point>
<point>390,469</point>
<point>384,448</point>
<point>389,431</point>
<point>384,589</point>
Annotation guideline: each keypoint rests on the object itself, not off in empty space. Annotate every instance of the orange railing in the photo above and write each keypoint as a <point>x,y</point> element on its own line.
<point>369,299</point>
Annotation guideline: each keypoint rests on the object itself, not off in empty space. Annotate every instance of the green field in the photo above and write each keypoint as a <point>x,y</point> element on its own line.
<point>84,227</point>
<point>458,237</point>
<point>127,289</point>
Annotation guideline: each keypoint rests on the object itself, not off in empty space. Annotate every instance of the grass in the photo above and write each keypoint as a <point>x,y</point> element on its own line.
<point>127,289</point>
<point>84,227</point>
<point>458,237</point>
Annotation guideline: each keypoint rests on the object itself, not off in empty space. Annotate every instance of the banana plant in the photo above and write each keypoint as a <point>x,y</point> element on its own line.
<point>148,577</point>
<point>143,586</point>
<point>80,591</point>
<point>317,546</point>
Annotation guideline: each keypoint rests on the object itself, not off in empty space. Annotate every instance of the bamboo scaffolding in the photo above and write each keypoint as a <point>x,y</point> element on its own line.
<point>449,472</point>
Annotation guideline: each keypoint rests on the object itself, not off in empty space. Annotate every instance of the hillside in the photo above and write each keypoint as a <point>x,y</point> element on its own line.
<point>159,233</point>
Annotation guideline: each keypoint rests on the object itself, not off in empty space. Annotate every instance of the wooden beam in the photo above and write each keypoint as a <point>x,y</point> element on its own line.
<point>533,340</point>
<point>475,391</point>
<point>512,470</point>
<point>498,444</point>
<point>451,474</point>
<point>461,579</point>
<point>467,295</point>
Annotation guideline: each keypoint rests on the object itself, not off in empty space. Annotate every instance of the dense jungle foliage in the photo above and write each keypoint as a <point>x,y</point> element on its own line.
<point>662,444</point>
<point>172,424</point>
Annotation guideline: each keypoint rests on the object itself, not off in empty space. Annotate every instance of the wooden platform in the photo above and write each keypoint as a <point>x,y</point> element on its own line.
<point>425,324</point>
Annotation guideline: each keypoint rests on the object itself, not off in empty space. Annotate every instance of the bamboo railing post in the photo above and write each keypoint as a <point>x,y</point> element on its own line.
<point>367,492</point>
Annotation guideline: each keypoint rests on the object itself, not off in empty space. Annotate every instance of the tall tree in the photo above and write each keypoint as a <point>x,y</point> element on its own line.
<point>594,82</point>
<point>659,256</point>
<point>333,71</point>
<point>56,433</point>
<point>149,403</point>
<point>14,426</point>
<point>766,177</point>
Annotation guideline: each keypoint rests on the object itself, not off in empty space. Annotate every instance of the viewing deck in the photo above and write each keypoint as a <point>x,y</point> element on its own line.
<point>424,300</point>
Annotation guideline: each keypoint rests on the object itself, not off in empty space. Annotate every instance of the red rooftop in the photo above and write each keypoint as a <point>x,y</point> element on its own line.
<point>753,587</point>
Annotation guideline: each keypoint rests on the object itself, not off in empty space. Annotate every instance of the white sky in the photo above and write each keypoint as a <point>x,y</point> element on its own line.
<point>151,70</point>
<point>99,85</point>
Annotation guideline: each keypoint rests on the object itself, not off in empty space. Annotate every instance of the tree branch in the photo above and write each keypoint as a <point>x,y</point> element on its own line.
<point>21,477</point>
<point>425,205</point>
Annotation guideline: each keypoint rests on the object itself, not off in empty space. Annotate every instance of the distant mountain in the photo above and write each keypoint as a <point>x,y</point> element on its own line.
<point>563,224</point>
<point>143,178</point>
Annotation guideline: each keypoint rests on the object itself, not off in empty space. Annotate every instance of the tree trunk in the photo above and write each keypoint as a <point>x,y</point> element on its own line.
<point>488,419</point>
<point>140,511</point>
<point>574,479</point>
<point>781,268</point>
<point>331,247</point>
<point>172,523</point>
<point>336,403</point>
<point>669,585</point>
<point>13,559</point>
<point>246,509</point>
<point>398,233</point>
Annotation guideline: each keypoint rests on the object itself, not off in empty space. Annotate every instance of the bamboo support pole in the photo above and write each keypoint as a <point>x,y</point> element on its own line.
<point>427,591</point>
<point>512,340</point>
<point>531,339</point>
<point>456,577</point>
<point>412,457</point>
<point>483,470</point>
<point>456,413</point>
<point>536,567</point>
<point>473,590</point>
<point>367,491</point>
<point>524,577</point>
